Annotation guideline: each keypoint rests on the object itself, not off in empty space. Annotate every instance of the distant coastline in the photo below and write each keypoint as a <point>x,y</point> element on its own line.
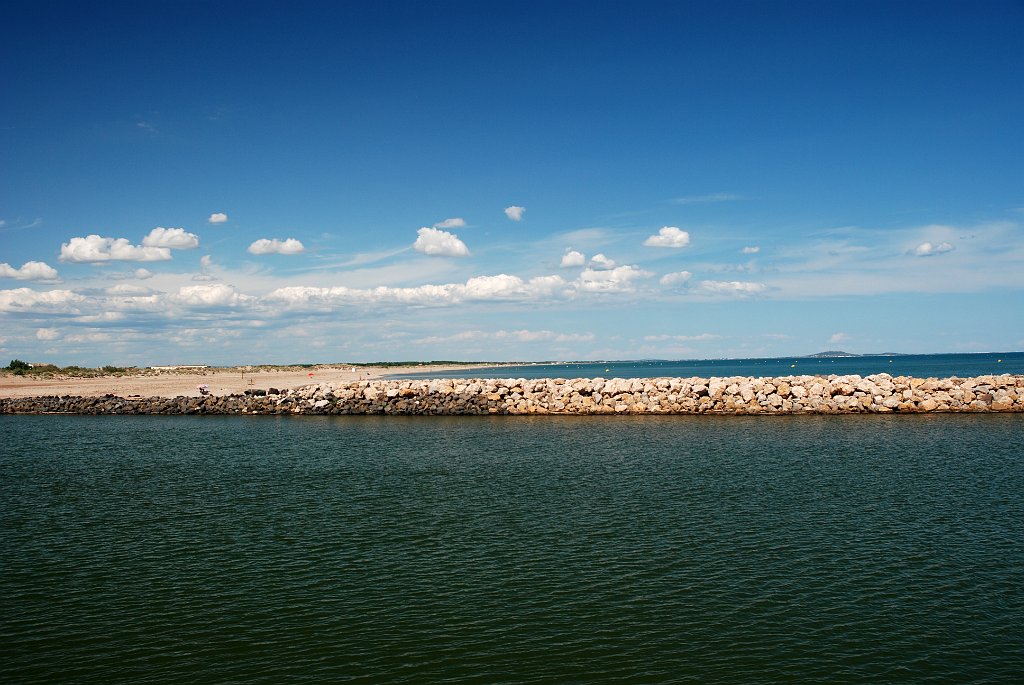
<point>186,380</point>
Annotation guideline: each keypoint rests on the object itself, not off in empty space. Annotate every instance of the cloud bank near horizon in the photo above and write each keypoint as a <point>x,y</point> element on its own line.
<point>181,303</point>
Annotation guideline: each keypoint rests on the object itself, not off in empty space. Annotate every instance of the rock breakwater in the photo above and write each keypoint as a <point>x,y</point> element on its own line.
<point>879,393</point>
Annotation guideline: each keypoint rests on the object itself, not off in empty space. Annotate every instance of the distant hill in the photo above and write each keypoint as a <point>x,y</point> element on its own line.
<point>832,353</point>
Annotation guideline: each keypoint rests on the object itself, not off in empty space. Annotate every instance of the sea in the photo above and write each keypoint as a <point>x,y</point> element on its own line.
<point>573,549</point>
<point>919,365</point>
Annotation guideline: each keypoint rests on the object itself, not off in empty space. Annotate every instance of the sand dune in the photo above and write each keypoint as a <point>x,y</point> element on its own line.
<point>175,383</point>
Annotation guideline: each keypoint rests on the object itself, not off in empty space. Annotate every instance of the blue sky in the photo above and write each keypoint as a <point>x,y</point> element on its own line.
<point>214,182</point>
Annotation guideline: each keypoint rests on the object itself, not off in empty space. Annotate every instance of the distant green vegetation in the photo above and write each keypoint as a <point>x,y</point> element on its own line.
<point>20,368</point>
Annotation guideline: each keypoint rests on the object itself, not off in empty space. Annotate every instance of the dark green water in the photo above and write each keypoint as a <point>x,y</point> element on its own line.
<point>631,549</point>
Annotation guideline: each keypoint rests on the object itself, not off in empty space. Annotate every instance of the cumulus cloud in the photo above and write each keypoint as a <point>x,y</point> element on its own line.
<point>751,249</point>
<point>28,300</point>
<point>217,218</point>
<point>839,338</point>
<point>93,248</point>
<point>572,258</point>
<point>205,262</point>
<point>138,274</point>
<point>275,246</point>
<point>619,279</point>
<point>927,249</point>
<point>731,287</point>
<point>601,262</point>
<point>515,212</point>
<point>47,334</point>
<point>216,295</point>
<point>126,289</point>
<point>29,271</point>
<point>174,238</point>
<point>479,288</point>
<point>438,243</point>
<point>523,335</point>
<point>455,222</point>
<point>669,236</point>
<point>676,278</point>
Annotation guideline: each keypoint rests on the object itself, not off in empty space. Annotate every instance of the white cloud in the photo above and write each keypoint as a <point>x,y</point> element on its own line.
<point>548,286</point>
<point>927,249</point>
<point>601,262</point>
<point>676,278</point>
<point>572,258</point>
<point>217,218</point>
<point>669,236</point>
<point>702,199</point>
<point>126,289</point>
<point>730,287</point>
<point>138,274</point>
<point>26,300</point>
<point>455,222</point>
<point>619,279</point>
<point>47,334</point>
<point>89,337</point>
<point>93,248</point>
<point>479,288</point>
<point>700,337</point>
<point>275,246</point>
<point>102,317</point>
<point>29,271</point>
<point>523,335</point>
<point>839,338</point>
<point>515,212</point>
<point>217,295</point>
<point>174,238</point>
<point>435,242</point>
<point>501,286</point>
<point>206,261</point>
<point>751,249</point>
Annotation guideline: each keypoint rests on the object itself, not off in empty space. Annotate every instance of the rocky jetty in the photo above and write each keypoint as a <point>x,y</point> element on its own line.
<point>879,393</point>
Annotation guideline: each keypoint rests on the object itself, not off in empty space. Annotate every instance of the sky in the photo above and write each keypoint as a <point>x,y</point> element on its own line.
<point>241,183</point>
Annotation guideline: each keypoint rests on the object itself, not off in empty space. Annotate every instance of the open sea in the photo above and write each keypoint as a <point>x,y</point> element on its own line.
<point>919,365</point>
<point>640,549</point>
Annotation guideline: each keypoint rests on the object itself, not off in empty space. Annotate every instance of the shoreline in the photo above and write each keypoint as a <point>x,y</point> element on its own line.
<point>738,395</point>
<point>221,381</point>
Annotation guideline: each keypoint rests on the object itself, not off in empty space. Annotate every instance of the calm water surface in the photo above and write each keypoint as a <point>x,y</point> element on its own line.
<point>920,365</point>
<point>490,550</point>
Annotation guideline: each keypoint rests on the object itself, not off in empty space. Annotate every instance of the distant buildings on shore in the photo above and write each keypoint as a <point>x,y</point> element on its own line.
<point>180,366</point>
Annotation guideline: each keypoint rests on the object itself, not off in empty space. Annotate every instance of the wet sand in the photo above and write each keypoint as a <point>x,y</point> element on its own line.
<point>220,381</point>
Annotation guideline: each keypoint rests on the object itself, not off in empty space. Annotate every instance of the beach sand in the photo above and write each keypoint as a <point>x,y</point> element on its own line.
<point>220,381</point>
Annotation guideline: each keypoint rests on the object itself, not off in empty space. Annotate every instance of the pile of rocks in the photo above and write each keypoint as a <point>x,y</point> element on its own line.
<point>879,393</point>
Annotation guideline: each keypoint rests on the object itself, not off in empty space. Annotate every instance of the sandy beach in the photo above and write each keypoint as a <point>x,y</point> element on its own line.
<point>220,381</point>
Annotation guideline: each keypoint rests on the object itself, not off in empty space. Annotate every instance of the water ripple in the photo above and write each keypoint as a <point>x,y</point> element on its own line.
<point>647,550</point>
